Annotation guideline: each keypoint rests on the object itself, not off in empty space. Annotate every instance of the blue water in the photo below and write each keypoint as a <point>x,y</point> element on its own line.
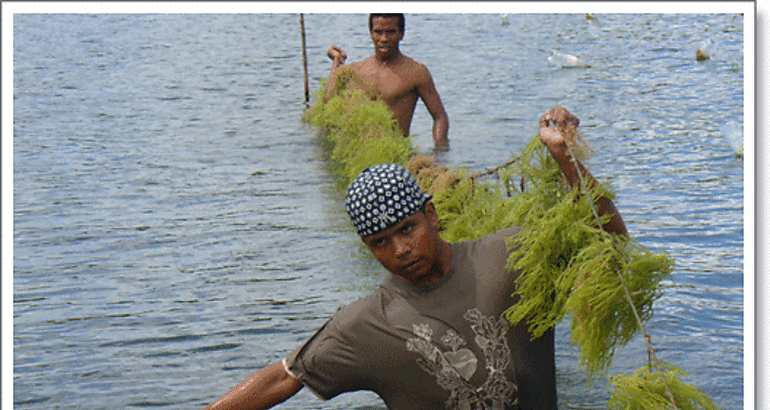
<point>176,227</point>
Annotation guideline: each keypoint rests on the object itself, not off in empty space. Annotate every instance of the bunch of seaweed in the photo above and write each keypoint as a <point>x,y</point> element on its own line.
<point>359,132</point>
<point>606,284</point>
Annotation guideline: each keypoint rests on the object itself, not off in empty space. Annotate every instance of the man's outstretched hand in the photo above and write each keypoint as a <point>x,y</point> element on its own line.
<point>556,126</point>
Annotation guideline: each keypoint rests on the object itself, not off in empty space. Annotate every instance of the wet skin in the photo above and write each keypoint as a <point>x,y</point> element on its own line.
<point>396,79</point>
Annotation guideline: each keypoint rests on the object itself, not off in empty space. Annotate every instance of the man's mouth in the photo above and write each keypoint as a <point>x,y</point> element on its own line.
<point>411,266</point>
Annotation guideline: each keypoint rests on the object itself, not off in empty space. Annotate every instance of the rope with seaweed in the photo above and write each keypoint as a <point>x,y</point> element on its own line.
<point>574,140</point>
<point>570,267</point>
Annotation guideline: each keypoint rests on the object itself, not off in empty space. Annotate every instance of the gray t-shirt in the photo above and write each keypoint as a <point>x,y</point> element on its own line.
<point>441,346</point>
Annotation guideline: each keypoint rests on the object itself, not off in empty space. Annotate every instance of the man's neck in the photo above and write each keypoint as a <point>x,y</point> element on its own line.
<point>389,60</point>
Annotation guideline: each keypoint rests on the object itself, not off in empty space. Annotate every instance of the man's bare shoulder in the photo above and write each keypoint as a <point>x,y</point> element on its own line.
<point>413,69</point>
<point>367,62</point>
<point>361,67</point>
<point>411,63</point>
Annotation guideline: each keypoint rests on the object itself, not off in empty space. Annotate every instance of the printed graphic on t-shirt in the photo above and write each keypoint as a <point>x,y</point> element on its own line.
<point>453,369</point>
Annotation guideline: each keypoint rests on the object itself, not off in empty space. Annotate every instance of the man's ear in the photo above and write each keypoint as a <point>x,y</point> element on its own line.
<point>431,214</point>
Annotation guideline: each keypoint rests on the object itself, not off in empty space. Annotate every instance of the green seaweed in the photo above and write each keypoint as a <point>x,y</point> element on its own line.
<point>646,389</point>
<point>569,266</point>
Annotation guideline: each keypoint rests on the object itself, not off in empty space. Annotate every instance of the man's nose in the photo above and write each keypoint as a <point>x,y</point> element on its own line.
<point>401,248</point>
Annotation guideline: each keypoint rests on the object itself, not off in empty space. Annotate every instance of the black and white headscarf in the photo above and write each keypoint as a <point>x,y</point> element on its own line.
<point>382,196</point>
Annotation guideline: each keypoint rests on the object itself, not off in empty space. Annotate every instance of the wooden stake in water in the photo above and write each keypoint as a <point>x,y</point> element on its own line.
<point>304,56</point>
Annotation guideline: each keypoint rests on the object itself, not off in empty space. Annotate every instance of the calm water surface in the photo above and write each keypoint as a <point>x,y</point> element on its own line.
<point>176,227</point>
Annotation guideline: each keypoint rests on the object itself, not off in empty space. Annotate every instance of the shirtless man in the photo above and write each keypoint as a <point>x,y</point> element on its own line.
<point>395,78</point>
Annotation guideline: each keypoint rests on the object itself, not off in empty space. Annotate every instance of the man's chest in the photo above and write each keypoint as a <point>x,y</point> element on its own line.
<point>463,352</point>
<point>389,84</point>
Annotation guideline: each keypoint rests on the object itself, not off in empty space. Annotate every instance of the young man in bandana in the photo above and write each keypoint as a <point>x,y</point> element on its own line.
<point>431,336</point>
<point>393,77</point>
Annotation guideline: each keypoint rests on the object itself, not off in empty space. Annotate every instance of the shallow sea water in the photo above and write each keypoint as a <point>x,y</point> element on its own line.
<point>176,227</point>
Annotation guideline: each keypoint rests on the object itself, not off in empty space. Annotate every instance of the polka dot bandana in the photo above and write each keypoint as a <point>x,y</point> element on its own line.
<point>382,196</point>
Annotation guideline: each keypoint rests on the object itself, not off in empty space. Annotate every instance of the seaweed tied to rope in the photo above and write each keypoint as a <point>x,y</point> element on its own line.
<point>570,268</point>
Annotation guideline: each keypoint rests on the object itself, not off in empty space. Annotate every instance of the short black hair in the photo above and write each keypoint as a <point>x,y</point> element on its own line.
<point>401,20</point>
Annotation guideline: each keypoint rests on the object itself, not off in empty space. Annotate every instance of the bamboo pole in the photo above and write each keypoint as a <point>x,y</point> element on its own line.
<point>304,57</point>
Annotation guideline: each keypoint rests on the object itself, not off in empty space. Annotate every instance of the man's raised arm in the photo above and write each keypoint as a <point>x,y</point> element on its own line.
<point>554,126</point>
<point>262,390</point>
<point>338,57</point>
